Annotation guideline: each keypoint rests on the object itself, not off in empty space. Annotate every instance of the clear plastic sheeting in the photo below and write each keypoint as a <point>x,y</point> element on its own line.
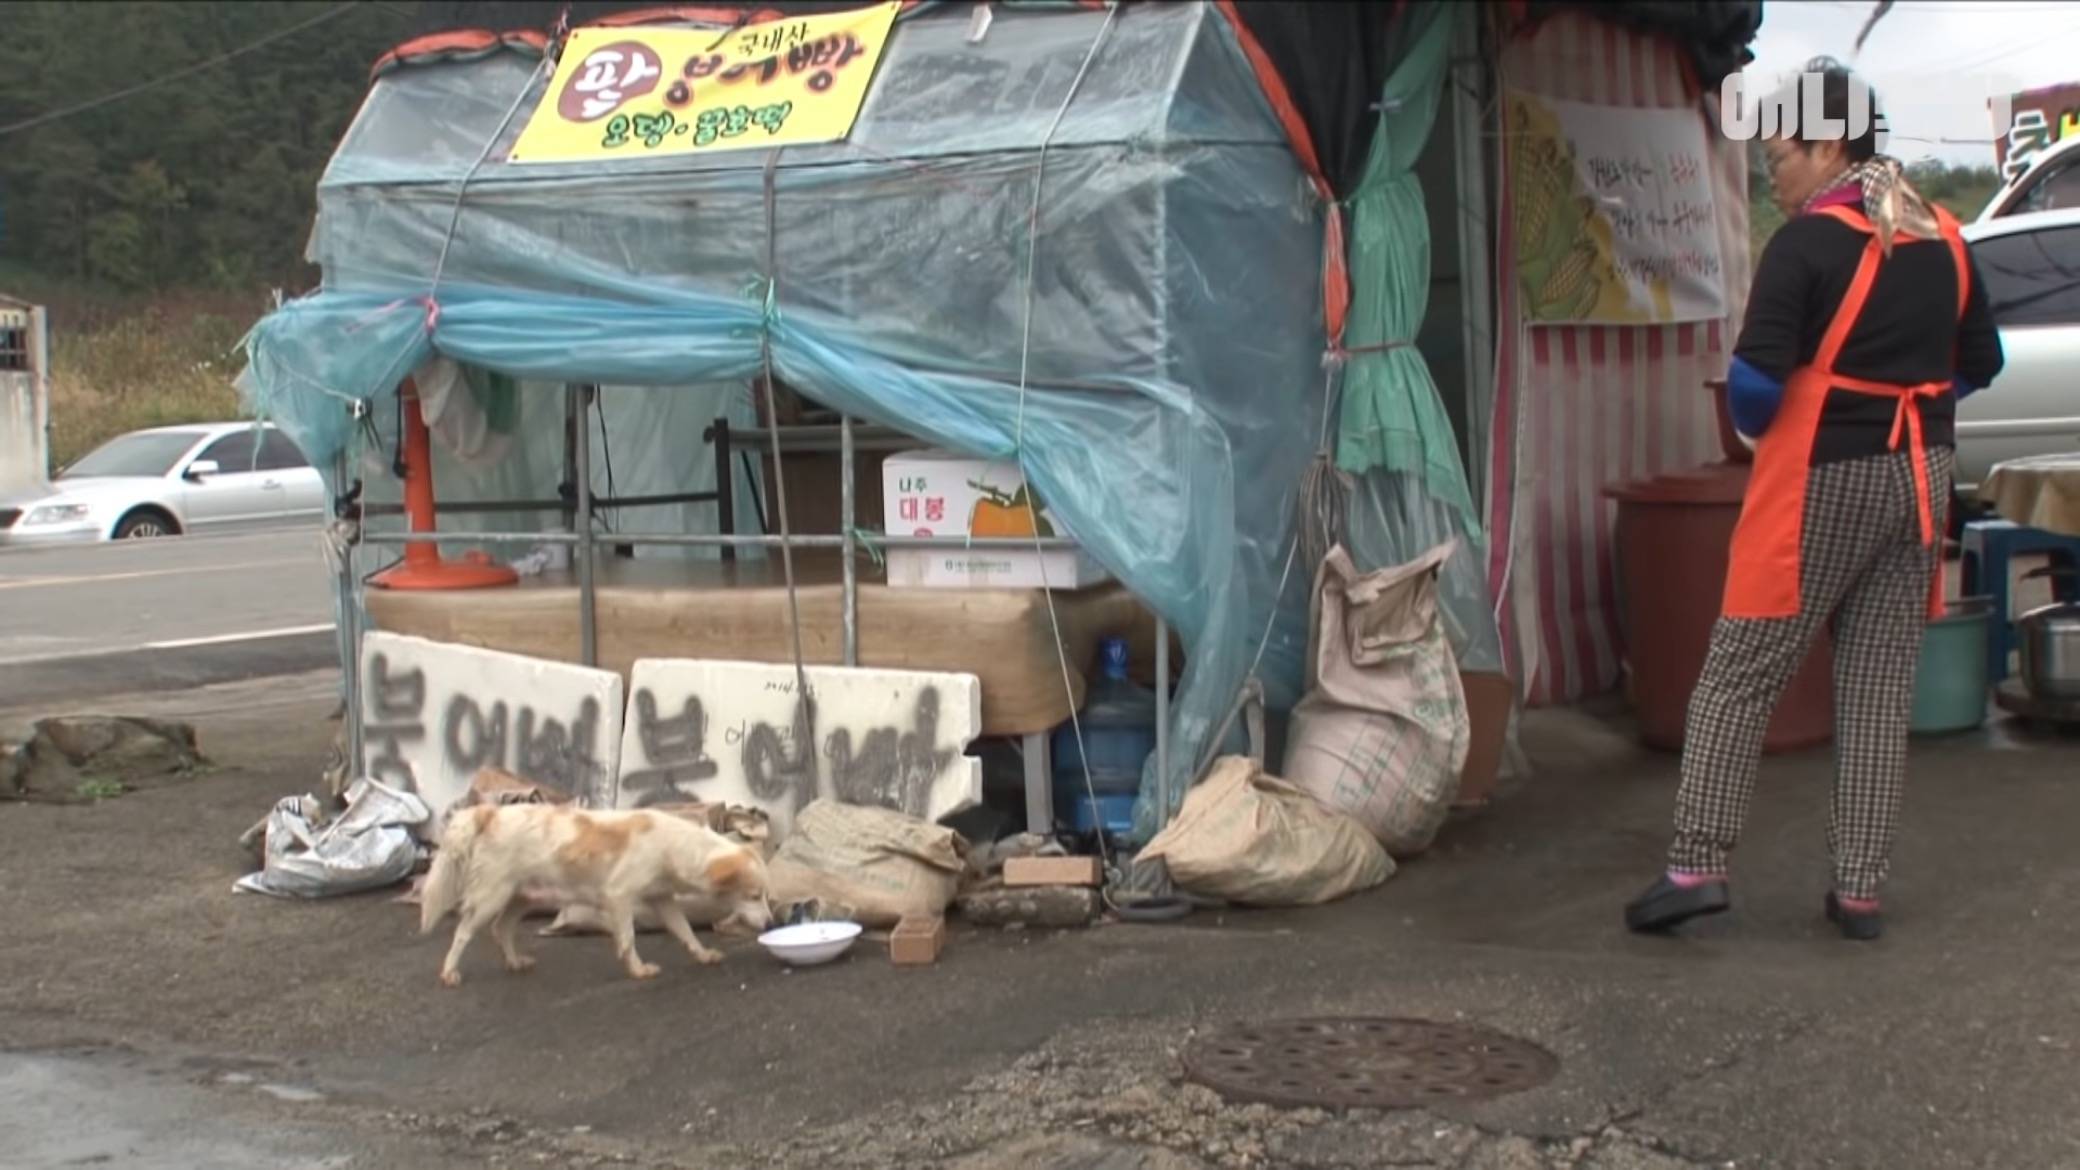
<point>1390,514</point>
<point>1173,388</point>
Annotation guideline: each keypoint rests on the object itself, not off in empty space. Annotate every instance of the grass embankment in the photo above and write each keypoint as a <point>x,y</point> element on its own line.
<point>121,363</point>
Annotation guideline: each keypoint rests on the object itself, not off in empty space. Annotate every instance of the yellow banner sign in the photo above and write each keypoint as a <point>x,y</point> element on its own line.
<point>640,92</point>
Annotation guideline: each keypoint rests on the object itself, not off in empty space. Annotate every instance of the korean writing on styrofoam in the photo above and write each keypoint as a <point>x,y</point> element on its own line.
<point>396,702</point>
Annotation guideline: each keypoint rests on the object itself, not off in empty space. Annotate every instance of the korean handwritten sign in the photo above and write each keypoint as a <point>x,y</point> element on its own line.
<point>433,713</point>
<point>641,92</point>
<point>1613,214</point>
<point>740,733</point>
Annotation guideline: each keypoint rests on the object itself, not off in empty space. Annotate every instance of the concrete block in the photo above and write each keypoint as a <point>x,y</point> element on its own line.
<point>734,732</point>
<point>434,713</point>
<point>1053,871</point>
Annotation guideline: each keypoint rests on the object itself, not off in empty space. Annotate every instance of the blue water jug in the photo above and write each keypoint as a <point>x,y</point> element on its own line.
<point>1119,734</point>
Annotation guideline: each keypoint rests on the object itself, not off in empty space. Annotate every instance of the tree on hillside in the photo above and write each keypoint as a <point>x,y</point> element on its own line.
<point>209,180</point>
<point>1963,191</point>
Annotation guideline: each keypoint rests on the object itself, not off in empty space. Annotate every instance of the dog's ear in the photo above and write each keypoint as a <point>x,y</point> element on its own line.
<point>731,868</point>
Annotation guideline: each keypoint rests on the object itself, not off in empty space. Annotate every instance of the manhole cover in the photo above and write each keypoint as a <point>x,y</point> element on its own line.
<point>1365,1063</point>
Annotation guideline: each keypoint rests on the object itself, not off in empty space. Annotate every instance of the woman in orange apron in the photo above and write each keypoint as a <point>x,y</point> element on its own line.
<point>1865,323</point>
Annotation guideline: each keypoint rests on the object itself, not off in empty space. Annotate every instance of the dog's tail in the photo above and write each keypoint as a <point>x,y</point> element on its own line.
<point>443,890</point>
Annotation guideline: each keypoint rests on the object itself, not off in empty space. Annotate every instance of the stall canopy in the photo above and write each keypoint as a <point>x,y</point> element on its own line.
<point>1080,238</point>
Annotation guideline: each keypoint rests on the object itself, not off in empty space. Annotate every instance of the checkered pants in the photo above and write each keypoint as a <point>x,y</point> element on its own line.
<point>1865,570</point>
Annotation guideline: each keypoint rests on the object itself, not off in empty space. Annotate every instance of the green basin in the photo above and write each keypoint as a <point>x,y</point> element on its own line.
<point>1950,684</point>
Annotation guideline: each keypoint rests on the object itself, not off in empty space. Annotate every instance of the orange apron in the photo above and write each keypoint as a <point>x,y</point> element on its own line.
<point>1763,573</point>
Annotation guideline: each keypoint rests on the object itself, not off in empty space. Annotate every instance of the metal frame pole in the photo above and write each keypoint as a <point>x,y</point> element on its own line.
<point>588,601</point>
<point>349,633</point>
<point>847,507</point>
<point>704,539</point>
<point>1162,721</point>
<point>725,485</point>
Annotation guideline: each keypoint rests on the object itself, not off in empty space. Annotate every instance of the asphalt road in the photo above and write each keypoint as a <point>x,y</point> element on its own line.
<point>153,1018</point>
<point>160,614</point>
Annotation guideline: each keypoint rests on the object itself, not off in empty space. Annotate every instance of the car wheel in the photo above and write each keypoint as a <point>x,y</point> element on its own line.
<point>145,526</point>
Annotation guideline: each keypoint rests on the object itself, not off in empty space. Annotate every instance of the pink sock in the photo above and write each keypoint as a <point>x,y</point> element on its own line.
<point>1690,881</point>
<point>1857,905</point>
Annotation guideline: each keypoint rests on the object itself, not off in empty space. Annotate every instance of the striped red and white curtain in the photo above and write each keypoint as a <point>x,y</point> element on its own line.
<point>1578,409</point>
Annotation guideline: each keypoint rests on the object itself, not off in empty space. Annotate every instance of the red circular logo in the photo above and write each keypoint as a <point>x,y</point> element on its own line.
<point>609,77</point>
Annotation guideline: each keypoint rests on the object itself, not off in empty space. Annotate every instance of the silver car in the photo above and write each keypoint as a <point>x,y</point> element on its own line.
<point>168,481</point>
<point>2051,182</point>
<point>2030,263</point>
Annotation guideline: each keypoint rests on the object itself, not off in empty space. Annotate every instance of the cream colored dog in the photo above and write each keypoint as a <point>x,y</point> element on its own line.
<point>613,862</point>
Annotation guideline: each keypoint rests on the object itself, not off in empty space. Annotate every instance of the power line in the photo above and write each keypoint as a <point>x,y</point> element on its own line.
<point>179,74</point>
<point>1936,68</point>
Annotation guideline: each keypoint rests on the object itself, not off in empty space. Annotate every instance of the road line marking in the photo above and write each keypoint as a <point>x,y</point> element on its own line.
<point>43,582</point>
<point>248,636</point>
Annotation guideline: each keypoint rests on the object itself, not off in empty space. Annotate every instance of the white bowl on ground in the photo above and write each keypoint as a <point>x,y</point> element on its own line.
<point>810,943</point>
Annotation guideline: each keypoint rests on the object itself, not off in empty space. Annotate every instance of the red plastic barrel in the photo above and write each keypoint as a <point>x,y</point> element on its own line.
<point>1672,538</point>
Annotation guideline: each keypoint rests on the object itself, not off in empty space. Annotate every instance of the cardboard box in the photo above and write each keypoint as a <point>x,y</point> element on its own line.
<point>916,942</point>
<point>1054,871</point>
<point>936,493</point>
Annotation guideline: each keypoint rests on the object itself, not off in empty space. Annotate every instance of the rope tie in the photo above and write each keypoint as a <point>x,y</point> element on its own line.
<point>1336,355</point>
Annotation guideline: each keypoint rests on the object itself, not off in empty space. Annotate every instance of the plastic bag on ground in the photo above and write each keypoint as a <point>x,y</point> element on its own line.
<point>1253,839</point>
<point>1382,733</point>
<point>367,847</point>
<point>877,864</point>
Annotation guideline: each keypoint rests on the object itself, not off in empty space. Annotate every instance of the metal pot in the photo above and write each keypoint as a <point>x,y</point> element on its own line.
<point>2049,638</point>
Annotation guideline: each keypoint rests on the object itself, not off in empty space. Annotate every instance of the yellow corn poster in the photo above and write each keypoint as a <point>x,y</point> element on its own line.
<point>1612,215</point>
<point>642,92</point>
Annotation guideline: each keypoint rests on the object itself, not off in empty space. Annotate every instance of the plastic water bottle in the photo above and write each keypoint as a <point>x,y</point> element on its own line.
<point>1119,734</point>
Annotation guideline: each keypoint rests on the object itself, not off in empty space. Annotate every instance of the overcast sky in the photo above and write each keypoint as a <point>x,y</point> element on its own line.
<point>1934,62</point>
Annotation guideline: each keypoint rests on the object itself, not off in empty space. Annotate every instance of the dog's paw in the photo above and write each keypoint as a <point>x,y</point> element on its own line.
<point>451,979</point>
<point>707,958</point>
<point>520,964</point>
<point>644,971</point>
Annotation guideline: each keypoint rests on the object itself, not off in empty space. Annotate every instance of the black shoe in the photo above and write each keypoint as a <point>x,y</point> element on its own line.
<point>1865,926</point>
<point>1667,905</point>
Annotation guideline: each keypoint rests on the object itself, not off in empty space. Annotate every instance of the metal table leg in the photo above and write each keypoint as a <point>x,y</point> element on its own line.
<point>1039,785</point>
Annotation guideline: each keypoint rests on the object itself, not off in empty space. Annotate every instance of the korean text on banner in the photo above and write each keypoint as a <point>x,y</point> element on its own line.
<point>1613,214</point>
<point>2040,118</point>
<point>640,92</point>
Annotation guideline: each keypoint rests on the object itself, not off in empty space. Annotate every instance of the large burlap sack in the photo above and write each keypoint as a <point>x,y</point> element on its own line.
<point>874,864</point>
<point>1382,732</point>
<point>1251,838</point>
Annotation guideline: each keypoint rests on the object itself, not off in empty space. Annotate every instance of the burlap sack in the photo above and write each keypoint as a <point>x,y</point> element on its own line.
<point>1251,838</point>
<point>1383,732</point>
<point>878,864</point>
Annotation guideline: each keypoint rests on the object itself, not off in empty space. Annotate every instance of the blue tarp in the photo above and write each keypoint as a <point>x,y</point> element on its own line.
<point>1170,338</point>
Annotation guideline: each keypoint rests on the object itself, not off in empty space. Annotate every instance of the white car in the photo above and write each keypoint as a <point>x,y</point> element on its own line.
<point>2030,263</point>
<point>2051,182</point>
<point>169,481</point>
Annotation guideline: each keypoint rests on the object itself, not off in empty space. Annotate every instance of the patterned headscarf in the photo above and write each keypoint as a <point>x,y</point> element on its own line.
<point>1889,199</point>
